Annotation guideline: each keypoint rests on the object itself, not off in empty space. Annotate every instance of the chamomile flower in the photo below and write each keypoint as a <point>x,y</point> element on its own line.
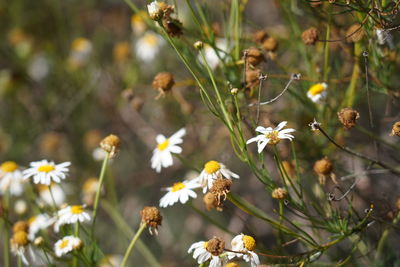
<point>317,92</point>
<point>56,196</point>
<point>180,191</point>
<point>213,170</point>
<point>81,48</point>
<point>202,254</point>
<point>213,56</point>
<point>271,136</point>
<point>37,223</point>
<point>137,23</point>
<point>11,178</point>
<point>148,46</point>
<point>66,245</point>
<point>70,215</point>
<point>246,245</point>
<point>44,172</point>
<point>162,157</point>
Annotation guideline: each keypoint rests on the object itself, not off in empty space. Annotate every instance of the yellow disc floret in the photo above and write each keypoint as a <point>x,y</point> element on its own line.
<point>177,186</point>
<point>9,166</point>
<point>64,243</point>
<point>76,209</point>
<point>249,242</point>
<point>212,166</point>
<point>150,39</point>
<point>232,264</point>
<point>316,89</point>
<point>273,137</point>
<point>162,146</point>
<point>46,168</point>
<point>205,245</point>
<point>20,239</point>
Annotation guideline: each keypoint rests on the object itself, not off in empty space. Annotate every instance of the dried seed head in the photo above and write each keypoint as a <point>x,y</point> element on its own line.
<point>111,144</point>
<point>270,44</point>
<point>151,217</point>
<point>172,26</point>
<point>279,193</point>
<point>310,36</point>
<point>395,129</point>
<point>19,239</point>
<point>254,56</point>
<point>211,202</point>
<point>323,166</point>
<point>20,226</point>
<point>355,33</point>
<point>260,36</point>
<point>221,187</point>
<point>215,246</point>
<point>348,117</point>
<point>163,82</point>
<point>252,77</point>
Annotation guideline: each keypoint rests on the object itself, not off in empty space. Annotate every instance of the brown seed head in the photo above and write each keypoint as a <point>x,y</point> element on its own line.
<point>260,36</point>
<point>211,202</point>
<point>355,33</point>
<point>323,166</point>
<point>172,26</point>
<point>151,216</point>
<point>395,129</point>
<point>279,193</point>
<point>20,226</point>
<point>221,186</point>
<point>111,144</point>
<point>252,77</point>
<point>270,44</point>
<point>20,239</point>
<point>254,56</point>
<point>163,81</point>
<point>310,36</point>
<point>348,117</point>
<point>215,246</point>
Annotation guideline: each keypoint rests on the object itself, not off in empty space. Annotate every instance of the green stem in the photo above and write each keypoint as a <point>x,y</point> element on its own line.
<point>6,248</point>
<point>19,261</point>
<point>383,238</point>
<point>326,48</point>
<point>132,244</point>
<point>97,198</point>
<point>75,259</point>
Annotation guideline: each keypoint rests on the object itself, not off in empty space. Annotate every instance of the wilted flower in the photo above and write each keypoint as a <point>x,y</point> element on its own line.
<point>348,117</point>
<point>111,144</point>
<point>395,129</point>
<point>317,92</point>
<point>210,250</point>
<point>324,168</point>
<point>44,172</point>
<point>162,154</point>
<point>151,216</point>
<point>254,56</point>
<point>279,193</point>
<point>212,202</point>
<point>310,36</point>
<point>271,136</point>
<point>163,82</point>
<point>180,191</point>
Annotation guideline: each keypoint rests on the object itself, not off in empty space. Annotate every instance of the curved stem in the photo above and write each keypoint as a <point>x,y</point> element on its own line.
<point>132,244</point>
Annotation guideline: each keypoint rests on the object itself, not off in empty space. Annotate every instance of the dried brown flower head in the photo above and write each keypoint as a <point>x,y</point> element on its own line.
<point>215,246</point>
<point>163,82</point>
<point>355,33</point>
<point>254,56</point>
<point>348,117</point>
<point>20,226</point>
<point>395,129</point>
<point>279,193</point>
<point>324,168</point>
<point>310,36</point>
<point>211,202</point>
<point>220,188</point>
<point>151,216</point>
<point>111,144</point>
<point>252,77</point>
<point>260,36</point>
<point>172,26</point>
<point>270,44</point>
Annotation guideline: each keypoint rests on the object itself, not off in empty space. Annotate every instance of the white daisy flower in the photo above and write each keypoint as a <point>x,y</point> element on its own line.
<point>11,178</point>
<point>271,136</point>
<point>148,46</point>
<point>162,157</point>
<point>244,244</point>
<point>213,170</point>
<point>317,92</point>
<point>213,56</point>
<point>66,245</point>
<point>201,254</point>
<point>46,197</point>
<point>137,23</point>
<point>37,223</point>
<point>44,172</point>
<point>180,191</point>
<point>81,48</point>
<point>70,215</point>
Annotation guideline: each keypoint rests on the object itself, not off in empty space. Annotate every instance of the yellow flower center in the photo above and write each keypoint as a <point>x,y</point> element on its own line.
<point>163,145</point>
<point>46,168</point>
<point>80,44</point>
<point>205,245</point>
<point>316,89</point>
<point>232,264</point>
<point>212,166</point>
<point>137,18</point>
<point>249,242</point>
<point>20,238</point>
<point>64,243</point>
<point>177,187</point>
<point>32,219</point>
<point>273,137</point>
<point>9,166</point>
<point>150,39</point>
<point>76,209</point>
